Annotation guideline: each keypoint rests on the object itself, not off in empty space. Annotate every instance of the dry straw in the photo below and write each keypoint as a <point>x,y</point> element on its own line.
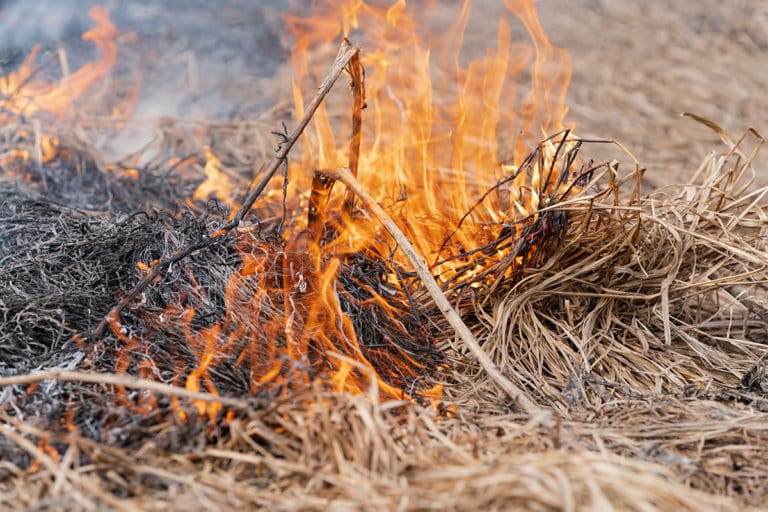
<point>644,329</point>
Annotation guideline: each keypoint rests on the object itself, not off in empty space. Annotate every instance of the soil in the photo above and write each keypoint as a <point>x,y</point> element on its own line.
<point>638,65</point>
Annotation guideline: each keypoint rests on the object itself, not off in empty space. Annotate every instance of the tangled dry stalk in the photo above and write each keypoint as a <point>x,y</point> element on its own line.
<point>645,330</point>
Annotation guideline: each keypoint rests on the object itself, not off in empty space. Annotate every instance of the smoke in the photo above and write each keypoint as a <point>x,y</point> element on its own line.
<point>193,58</point>
<point>24,23</point>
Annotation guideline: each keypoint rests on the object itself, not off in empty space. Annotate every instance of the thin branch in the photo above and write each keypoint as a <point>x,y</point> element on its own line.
<point>345,55</point>
<point>357,72</point>
<point>127,381</point>
<point>469,340</point>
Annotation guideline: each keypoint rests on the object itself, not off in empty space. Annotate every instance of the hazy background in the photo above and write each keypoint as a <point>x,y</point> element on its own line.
<point>636,65</point>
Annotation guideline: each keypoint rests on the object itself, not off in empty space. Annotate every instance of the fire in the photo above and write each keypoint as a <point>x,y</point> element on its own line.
<point>25,92</point>
<point>442,145</point>
<point>217,183</point>
<point>437,130</point>
<point>436,134</point>
<point>430,153</point>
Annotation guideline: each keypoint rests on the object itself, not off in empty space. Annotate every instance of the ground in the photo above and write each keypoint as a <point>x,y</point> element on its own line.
<point>638,65</point>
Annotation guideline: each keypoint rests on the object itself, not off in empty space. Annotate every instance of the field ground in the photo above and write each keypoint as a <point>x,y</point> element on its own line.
<point>638,65</point>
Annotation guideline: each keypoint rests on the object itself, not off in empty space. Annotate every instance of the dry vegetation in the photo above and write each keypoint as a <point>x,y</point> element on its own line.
<point>639,65</point>
<point>642,335</point>
<point>644,332</point>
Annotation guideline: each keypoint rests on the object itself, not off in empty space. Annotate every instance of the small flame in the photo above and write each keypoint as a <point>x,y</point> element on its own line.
<point>217,184</point>
<point>43,447</point>
<point>26,92</point>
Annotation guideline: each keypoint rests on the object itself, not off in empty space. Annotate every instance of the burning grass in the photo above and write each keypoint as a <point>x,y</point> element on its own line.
<point>641,419</point>
<point>569,343</point>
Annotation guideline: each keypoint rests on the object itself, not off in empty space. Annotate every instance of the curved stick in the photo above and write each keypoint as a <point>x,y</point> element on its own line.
<point>471,343</point>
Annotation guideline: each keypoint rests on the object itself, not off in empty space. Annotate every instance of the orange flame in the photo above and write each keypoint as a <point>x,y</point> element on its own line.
<point>217,183</point>
<point>43,448</point>
<point>431,147</point>
<point>24,92</point>
<point>430,151</point>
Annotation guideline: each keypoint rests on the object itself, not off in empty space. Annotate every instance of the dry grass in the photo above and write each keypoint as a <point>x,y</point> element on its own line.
<point>644,332</point>
<point>652,293</point>
<point>639,331</point>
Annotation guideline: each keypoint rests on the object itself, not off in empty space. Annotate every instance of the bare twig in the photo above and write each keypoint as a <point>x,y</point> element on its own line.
<point>346,177</point>
<point>127,381</point>
<point>345,55</point>
<point>357,72</point>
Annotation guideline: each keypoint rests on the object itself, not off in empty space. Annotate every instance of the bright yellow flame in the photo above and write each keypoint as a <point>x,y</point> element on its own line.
<point>436,129</point>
